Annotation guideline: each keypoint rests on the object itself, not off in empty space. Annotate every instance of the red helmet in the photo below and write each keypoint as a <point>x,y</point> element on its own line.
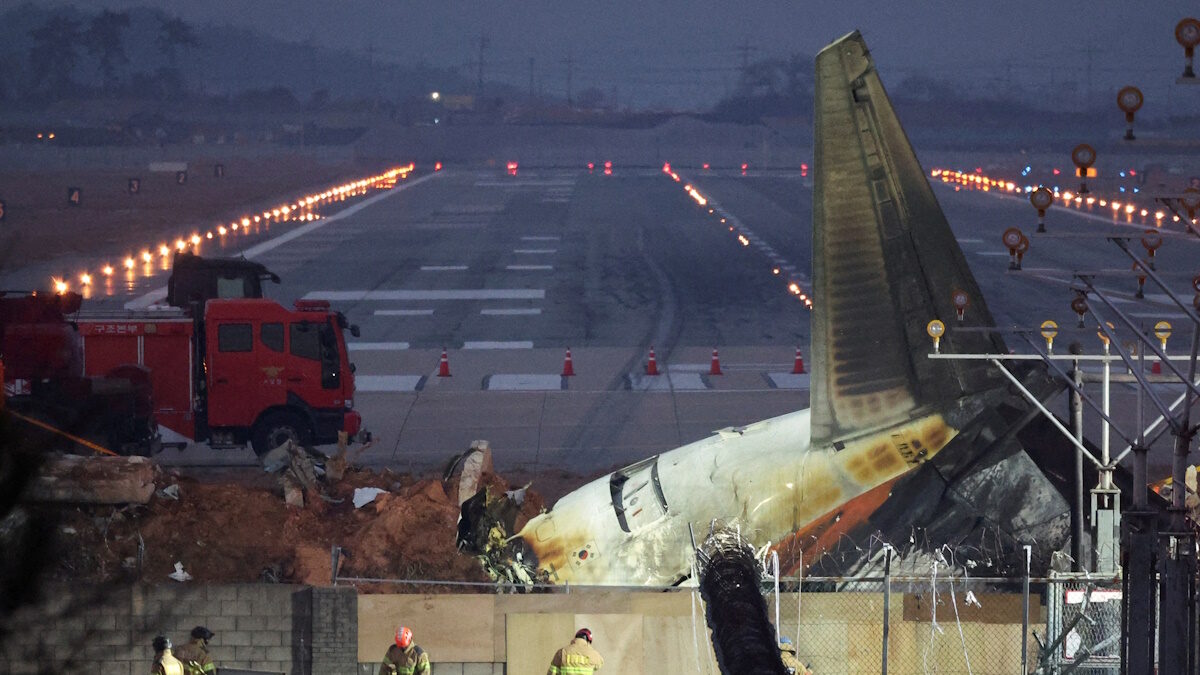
<point>585,634</point>
<point>403,637</point>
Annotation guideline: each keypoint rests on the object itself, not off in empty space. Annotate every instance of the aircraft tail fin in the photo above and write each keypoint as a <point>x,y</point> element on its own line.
<point>885,263</point>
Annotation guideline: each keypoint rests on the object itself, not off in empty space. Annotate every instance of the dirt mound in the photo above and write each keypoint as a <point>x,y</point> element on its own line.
<point>237,528</point>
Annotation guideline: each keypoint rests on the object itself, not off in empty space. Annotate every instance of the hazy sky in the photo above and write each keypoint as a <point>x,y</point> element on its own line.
<point>673,49</point>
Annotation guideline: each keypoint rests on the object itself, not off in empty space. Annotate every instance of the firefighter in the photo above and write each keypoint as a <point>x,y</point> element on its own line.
<point>577,658</point>
<point>404,657</point>
<point>165,662</point>
<point>194,654</point>
<point>787,653</point>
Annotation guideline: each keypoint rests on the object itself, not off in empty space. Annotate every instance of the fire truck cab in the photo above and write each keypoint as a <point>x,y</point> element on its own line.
<point>247,370</point>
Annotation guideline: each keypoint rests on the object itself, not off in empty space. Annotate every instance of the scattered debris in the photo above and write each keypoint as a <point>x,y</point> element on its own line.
<point>364,496</point>
<point>77,479</point>
<point>232,526</point>
<point>179,574</point>
<point>169,492</point>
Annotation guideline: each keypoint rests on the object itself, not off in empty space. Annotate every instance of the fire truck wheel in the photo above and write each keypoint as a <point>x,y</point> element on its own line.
<point>278,428</point>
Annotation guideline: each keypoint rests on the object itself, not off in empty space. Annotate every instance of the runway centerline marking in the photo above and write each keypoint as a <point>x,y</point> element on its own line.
<point>509,312</point>
<point>515,344</point>
<point>529,268</point>
<point>449,294</point>
<point>531,251</point>
<point>403,312</point>
<point>443,268</point>
<point>536,238</point>
<point>376,346</point>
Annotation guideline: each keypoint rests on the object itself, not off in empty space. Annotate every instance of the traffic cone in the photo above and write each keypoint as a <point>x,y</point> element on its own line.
<point>715,369</point>
<point>652,364</point>
<point>1156,368</point>
<point>568,365</point>
<point>798,367</point>
<point>444,365</point>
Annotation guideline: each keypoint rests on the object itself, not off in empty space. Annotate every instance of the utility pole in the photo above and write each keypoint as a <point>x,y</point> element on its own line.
<point>570,73</point>
<point>531,95</point>
<point>745,50</point>
<point>371,74</point>
<point>484,43</point>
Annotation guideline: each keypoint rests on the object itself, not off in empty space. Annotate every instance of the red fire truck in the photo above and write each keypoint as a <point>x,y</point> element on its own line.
<point>220,364</point>
<point>247,370</point>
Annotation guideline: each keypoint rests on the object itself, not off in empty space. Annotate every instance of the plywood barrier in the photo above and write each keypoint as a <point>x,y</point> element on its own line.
<point>655,632</point>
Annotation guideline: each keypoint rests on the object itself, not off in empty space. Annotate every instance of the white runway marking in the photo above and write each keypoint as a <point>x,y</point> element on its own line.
<point>509,312</point>
<point>789,380</point>
<point>376,346</point>
<point>666,382</point>
<point>529,268</point>
<point>531,382</point>
<point>388,383</point>
<point>498,345</point>
<point>403,312</point>
<point>258,249</point>
<point>408,296</point>
<point>443,268</point>
<point>534,238</point>
<point>532,251</point>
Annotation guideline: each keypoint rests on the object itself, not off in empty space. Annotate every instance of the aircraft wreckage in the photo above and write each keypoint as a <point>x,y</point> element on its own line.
<point>896,447</point>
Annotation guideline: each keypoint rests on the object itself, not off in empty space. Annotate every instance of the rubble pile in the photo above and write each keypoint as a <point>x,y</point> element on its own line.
<point>248,526</point>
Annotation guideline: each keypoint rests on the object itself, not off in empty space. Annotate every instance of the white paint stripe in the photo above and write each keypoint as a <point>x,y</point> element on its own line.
<point>533,238</point>
<point>498,345</point>
<point>407,296</point>
<point>386,383</point>
<point>1158,315</point>
<point>403,312</point>
<point>667,382</point>
<point>528,268</point>
<point>509,312</point>
<point>531,251</point>
<point>443,268</point>
<point>524,382</point>
<point>789,380</point>
<point>376,346</point>
<point>258,249</point>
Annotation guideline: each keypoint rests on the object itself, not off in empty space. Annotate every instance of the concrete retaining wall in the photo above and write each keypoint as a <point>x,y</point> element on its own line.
<point>259,627</point>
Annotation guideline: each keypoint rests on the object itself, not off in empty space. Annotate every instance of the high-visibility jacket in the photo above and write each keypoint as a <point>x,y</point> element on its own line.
<point>195,658</point>
<point>577,658</point>
<point>411,661</point>
<point>167,664</point>
<point>787,653</point>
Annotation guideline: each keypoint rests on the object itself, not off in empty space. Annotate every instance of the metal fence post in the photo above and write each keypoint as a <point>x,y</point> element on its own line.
<point>887,605</point>
<point>1025,612</point>
<point>335,554</point>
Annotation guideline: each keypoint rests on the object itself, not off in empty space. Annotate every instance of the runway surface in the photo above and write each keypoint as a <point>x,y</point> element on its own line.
<point>508,272</point>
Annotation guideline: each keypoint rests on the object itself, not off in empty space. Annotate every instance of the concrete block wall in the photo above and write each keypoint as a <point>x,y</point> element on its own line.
<point>334,636</point>
<point>260,627</point>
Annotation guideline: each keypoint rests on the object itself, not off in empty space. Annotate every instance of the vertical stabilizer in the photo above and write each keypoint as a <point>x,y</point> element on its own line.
<point>884,264</point>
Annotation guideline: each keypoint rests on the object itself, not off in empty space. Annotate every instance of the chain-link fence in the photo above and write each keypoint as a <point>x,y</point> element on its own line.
<point>903,623</point>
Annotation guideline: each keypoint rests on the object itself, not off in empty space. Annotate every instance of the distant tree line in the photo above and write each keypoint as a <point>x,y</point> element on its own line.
<point>772,87</point>
<point>50,68</point>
